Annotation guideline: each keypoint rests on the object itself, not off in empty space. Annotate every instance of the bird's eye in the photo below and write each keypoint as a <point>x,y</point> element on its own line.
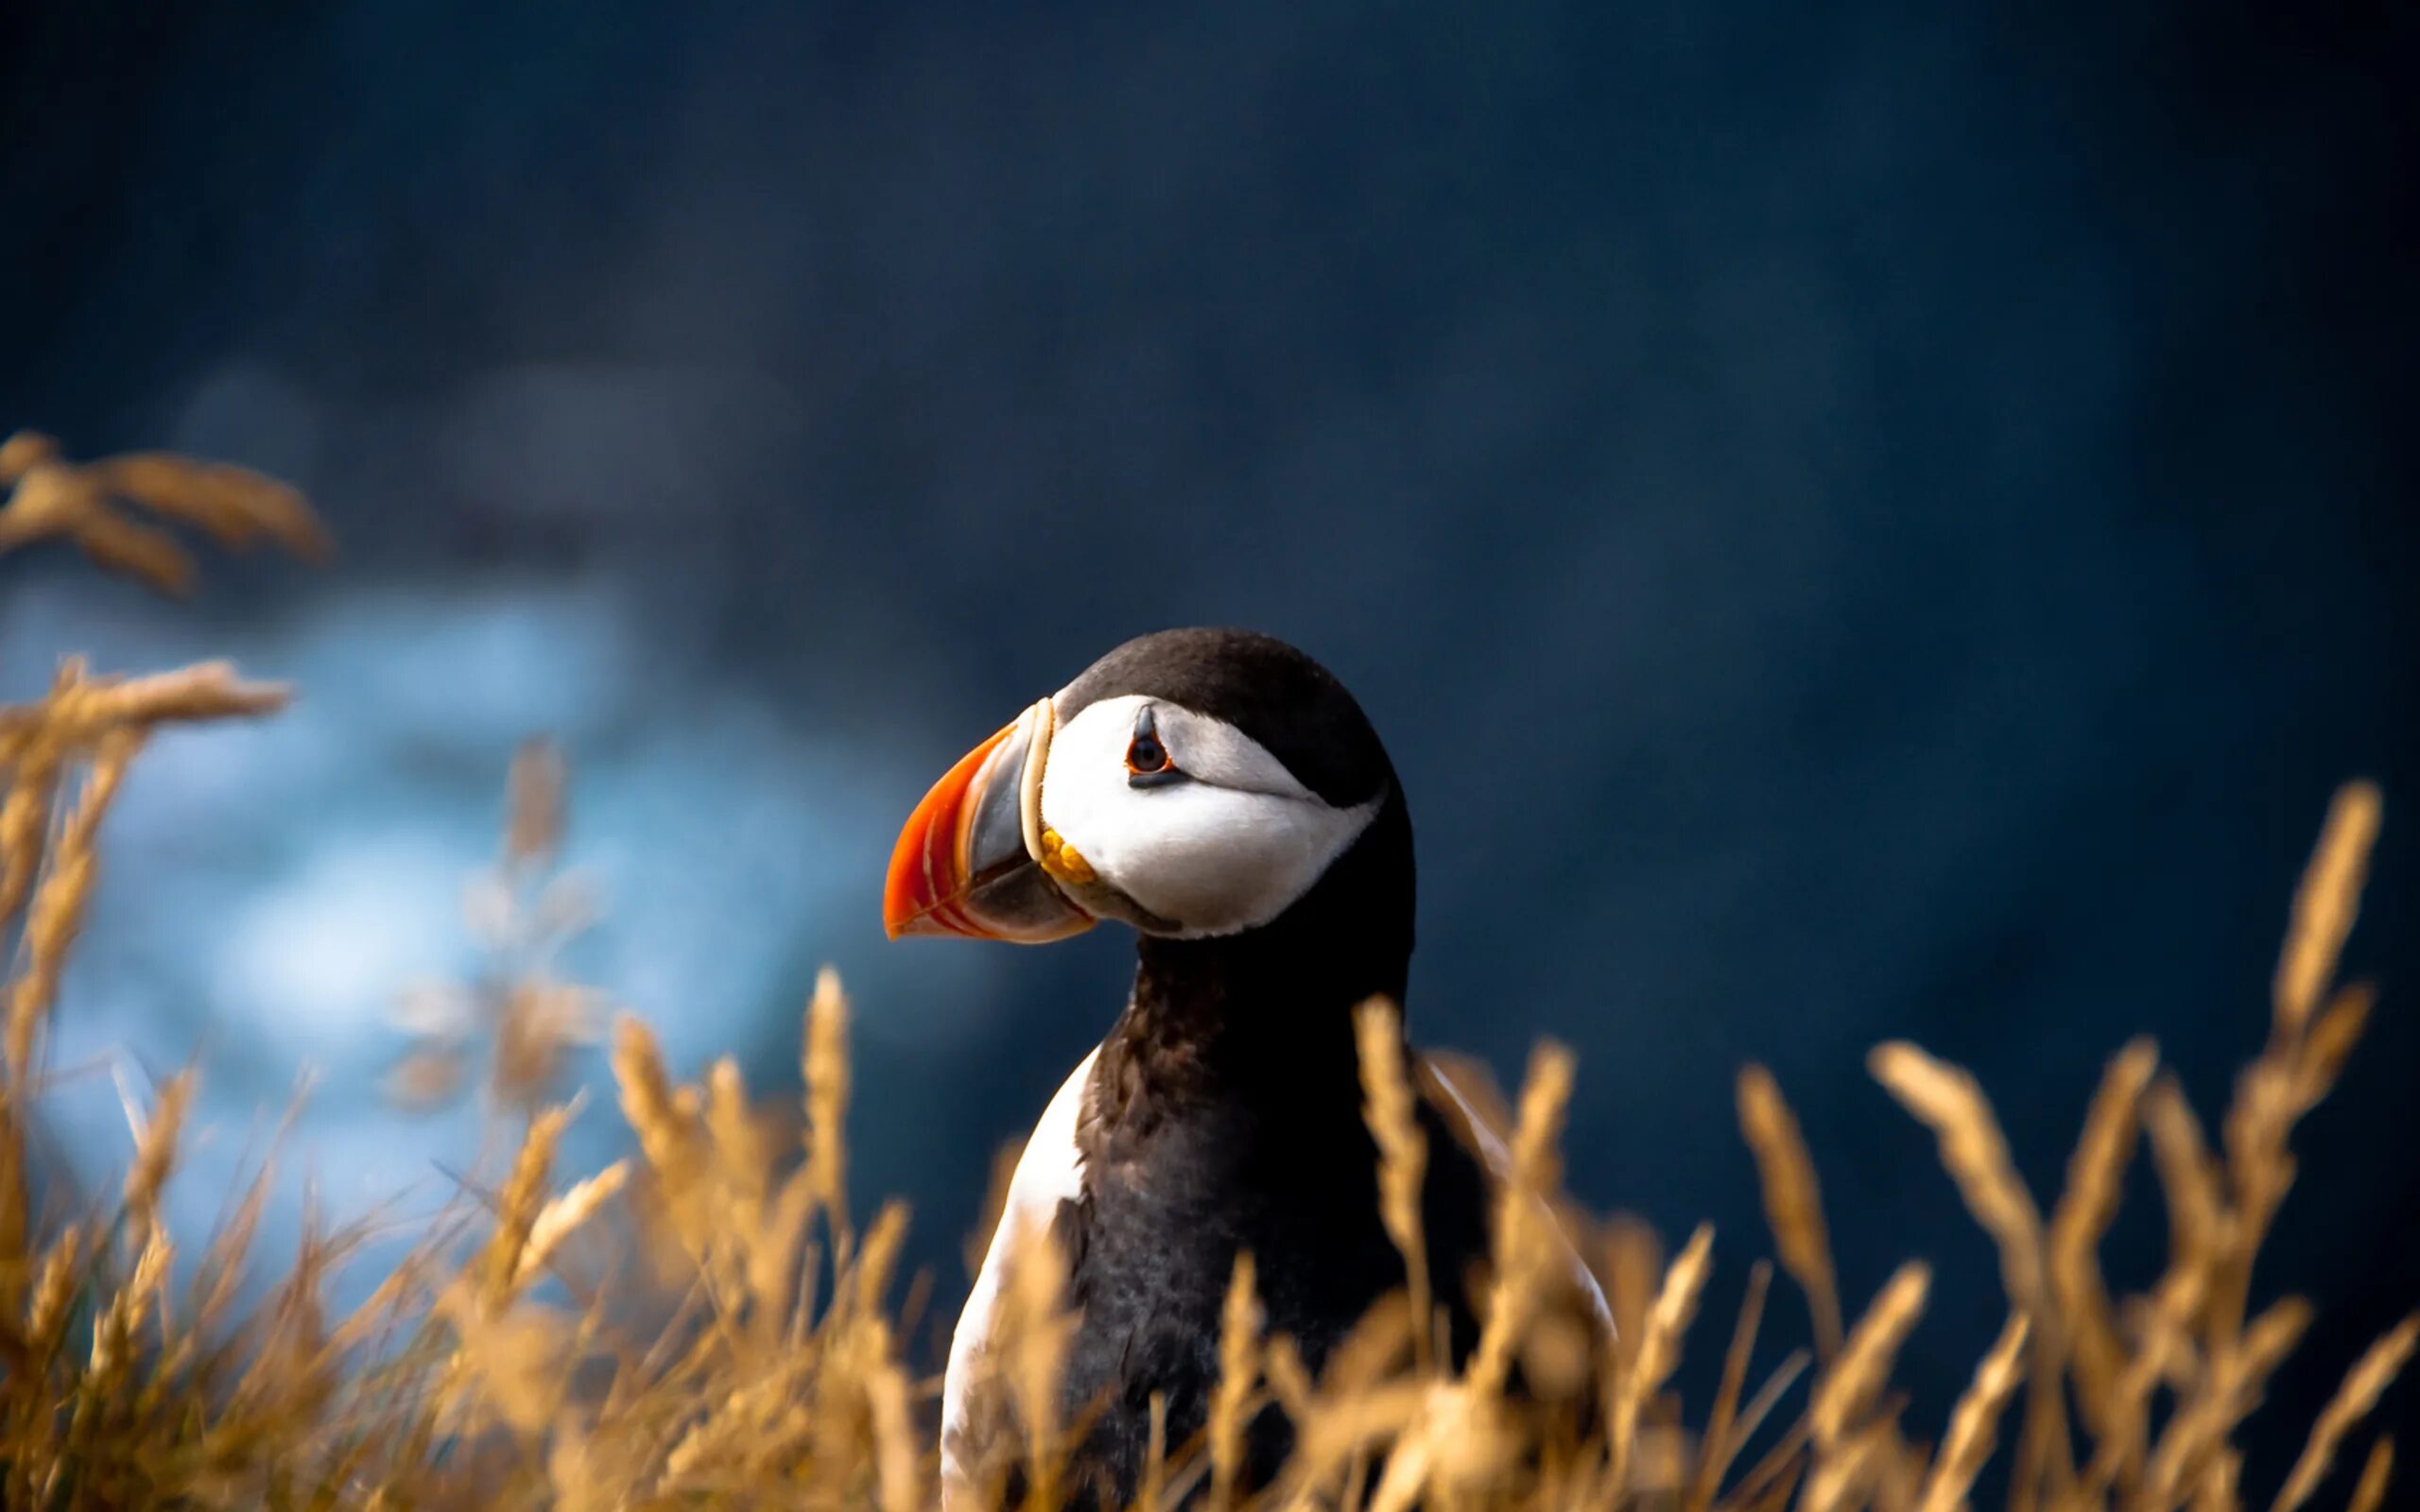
<point>1146,759</point>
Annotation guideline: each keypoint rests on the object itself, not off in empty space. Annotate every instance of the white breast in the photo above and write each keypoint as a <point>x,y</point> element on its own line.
<point>1049,1173</point>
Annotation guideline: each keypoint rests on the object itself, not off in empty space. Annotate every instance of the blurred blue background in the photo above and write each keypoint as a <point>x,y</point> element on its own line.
<point>1852,521</point>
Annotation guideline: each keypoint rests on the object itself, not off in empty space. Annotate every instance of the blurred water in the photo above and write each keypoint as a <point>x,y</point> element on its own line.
<point>274,888</point>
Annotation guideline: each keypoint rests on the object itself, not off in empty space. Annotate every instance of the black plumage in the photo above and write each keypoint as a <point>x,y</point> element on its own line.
<point>1223,1111</point>
<point>1272,692</point>
<point>1224,1114</point>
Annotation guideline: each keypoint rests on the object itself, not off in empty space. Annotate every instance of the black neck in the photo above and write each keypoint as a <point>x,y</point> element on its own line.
<point>1264,1013</point>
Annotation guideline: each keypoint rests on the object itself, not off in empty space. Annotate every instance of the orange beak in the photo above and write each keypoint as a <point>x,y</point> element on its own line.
<point>965,864</point>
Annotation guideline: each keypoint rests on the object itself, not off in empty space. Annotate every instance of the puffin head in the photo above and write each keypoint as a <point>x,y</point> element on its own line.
<point>1194,784</point>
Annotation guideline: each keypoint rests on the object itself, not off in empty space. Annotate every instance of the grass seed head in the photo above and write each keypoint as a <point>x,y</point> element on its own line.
<point>2096,1174</point>
<point>1793,1201</point>
<point>1238,1379</point>
<point>155,1150</point>
<point>562,1216</point>
<point>2367,1382</point>
<point>827,1097</point>
<point>2369,1493</point>
<point>1973,1420</point>
<point>1977,1156</point>
<point>1849,1387</point>
<point>2325,904</point>
<point>1403,1150</point>
<point>1038,1331</point>
<point>518,1204</point>
<point>1659,1349</point>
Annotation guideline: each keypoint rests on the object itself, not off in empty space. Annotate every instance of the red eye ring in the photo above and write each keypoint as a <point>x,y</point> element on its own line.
<point>1147,762</point>
<point>1146,756</point>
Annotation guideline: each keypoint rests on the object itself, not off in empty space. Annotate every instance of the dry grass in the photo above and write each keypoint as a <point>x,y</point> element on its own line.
<point>517,1012</point>
<point>95,506</point>
<point>702,1326</point>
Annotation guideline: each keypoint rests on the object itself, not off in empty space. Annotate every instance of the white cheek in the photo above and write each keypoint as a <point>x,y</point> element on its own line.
<point>1210,859</point>
<point>1215,861</point>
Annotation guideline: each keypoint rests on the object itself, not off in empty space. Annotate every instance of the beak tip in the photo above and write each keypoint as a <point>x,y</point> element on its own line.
<point>930,887</point>
<point>927,864</point>
<point>904,912</point>
<point>899,923</point>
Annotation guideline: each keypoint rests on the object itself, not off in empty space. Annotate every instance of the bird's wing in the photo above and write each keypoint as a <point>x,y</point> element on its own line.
<point>1047,1174</point>
<point>1464,1095</point>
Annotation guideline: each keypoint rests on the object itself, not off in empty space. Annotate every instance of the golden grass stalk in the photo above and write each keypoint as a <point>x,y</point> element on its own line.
<point>54,1285</point>
<point>1403,1151</point>
<point>1975,1155</point>
<point>2369,1494</point>
<point>2329,1043</point>
<point>2190,1448</point>
<point>827,1097</point>
<point>666,1126</point>
<point>1546,1096</point>
<point>1793,1200</point>
<point>205,691</point>
<point>1154,1487</point>
<point>1780,1458</point>
<point>1722,1430</point>
<point>877,1258</point>
<point>80,709</point>
<point>56,912</point>
<point>2220,1489</point>
<point>1659,1349</point>
<point>741,1154</point>
<point>24,813</point>
<point>506,1367</point>
<point>54,499</point>
<point>562,1216</point>
<point>1409,1465</point>
<point>2260,1173</point>
<point>1948,1099</point>
<point>1289,1380</point>
<point>1038,1333</point>
<point>2197,1214</point>
<point>1238,1378</point>
<point>2325,904</point>
<point>2362,1386</point>
<point>155,1150</point>
<point>898,1482</point>
<point>1850,1386</point>
<point>2295,1069</point>
<point>1632,1265</point>
<point>101,720</point>
<point>23,451</point>
<point>2096,1175</point>
<point>1524,1248</point>
<point>1973,1421</point>
<point>778,1251</point>
<point>113,1336</point>
<point>518,1205</point>
<point>2165,1352</point>
<point>1840,1474</point>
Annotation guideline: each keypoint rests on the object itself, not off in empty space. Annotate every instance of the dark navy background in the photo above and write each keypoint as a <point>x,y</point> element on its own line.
<point>1852,521</point>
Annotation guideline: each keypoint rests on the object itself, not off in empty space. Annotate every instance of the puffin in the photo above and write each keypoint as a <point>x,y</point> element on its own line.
<point>1222,794</point>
